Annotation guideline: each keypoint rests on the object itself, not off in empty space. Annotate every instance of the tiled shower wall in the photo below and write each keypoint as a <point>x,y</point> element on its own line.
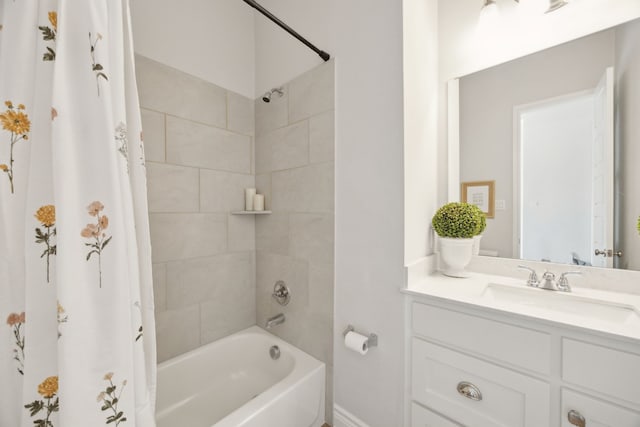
<point>214,272</point>
<point>294,163</point>
<point>198,142</point>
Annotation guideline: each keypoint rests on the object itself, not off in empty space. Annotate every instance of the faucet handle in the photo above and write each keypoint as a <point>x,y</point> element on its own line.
<point>533,277</point>
<point>563,282</point>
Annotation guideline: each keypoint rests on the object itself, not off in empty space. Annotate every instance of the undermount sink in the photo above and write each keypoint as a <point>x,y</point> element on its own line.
<point>567,303</point>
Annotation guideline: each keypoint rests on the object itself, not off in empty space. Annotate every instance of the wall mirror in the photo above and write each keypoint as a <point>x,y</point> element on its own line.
<point>559,133</point>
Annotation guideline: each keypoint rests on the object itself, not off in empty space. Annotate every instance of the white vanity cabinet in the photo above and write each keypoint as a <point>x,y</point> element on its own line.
<point>477,367</point>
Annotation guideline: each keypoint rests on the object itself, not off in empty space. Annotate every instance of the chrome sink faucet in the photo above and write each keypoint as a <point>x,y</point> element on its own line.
<point>548,280</point>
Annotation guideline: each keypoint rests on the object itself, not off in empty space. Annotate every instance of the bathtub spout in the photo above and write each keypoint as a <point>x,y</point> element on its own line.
<point>275,320</point>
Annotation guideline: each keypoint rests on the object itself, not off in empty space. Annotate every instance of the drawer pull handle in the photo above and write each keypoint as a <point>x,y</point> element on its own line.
<point>469,391</point>
<point>576,418</point>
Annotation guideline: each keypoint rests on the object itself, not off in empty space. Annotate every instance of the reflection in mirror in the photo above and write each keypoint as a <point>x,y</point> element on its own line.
<point>556,131</point>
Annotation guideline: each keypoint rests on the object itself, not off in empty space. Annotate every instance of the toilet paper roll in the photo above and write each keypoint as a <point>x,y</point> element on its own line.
<point>357,342</point>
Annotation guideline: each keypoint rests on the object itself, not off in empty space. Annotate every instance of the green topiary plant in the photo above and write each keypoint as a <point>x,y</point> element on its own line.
<point>458,220</point>
<point>483,220</point>
<point>638,226</point>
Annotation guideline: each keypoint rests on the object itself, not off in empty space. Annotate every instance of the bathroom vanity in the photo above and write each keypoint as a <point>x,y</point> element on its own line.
<point>488,351</point>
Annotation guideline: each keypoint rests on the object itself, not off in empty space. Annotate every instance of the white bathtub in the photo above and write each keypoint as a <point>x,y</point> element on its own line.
<point>233,382</point>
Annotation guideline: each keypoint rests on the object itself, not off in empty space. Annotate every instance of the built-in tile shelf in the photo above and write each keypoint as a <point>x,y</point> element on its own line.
<point>251,212</point>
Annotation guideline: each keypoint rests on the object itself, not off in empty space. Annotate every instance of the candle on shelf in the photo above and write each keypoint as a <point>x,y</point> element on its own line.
<point>258,202</point>
<point>248,198</point>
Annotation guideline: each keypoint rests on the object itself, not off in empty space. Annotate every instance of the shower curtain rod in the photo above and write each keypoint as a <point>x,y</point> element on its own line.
<point>324,55</point>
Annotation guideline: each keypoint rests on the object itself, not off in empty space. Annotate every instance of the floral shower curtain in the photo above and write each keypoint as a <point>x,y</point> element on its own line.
<point>78,344</point>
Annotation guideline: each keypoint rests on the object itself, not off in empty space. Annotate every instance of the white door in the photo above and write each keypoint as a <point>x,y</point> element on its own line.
<point>602,200</point>
<point>554,176</point>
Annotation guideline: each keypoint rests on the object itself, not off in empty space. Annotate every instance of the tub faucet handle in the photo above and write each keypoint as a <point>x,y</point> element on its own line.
<point>533,277</point>
<point>281,293</point>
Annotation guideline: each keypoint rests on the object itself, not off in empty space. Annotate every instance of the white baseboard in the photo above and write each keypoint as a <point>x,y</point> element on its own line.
<point>343,418</point>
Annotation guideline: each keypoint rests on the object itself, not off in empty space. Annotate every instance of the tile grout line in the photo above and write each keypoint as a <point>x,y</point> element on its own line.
<point>186,119</point>
<point>164,145</point>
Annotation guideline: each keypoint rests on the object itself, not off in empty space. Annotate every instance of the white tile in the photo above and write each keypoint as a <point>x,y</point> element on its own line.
<point>187,235</point>
<point>153,134</point>
<point>223,191</point>
<point>322,137</point>
<point>159,272</point>
<point>291,330</point>
<point>241,113</point>
<point>283,148</point>
<point>273,267</point>
<point>172,188</point>
<point>225,277</point>
<point>194,144</point>
<point>272,115</point>
<point>321,288</point>
<point>263,186</point>
<point>312,93</point>
<point>306,189</point>
<point>225,316</point>
<point>272,233</point>
<point>311,237</point>
<point>242,233</point>
<point>162,88</point>
<point>317,336</point>
<point>177,331</point>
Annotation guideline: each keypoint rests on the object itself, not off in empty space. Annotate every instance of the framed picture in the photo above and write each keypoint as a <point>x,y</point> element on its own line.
<point>481,194</point>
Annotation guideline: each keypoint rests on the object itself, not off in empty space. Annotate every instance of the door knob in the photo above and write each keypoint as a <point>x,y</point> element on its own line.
<point>607,253</point>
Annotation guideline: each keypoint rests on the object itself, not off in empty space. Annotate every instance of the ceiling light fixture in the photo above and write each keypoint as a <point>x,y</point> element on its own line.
<point>491,7</point>
<point>489,11</point>
<point>556,4</point>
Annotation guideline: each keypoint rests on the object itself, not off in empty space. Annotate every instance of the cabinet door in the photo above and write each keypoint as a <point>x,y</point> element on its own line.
<point>596,412</point>
<point>619,378</point>
<point>476,393</point>
<point>422,417</point>
<point>523,347</point>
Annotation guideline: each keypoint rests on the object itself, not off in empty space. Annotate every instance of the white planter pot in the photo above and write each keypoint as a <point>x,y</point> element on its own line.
<point>455,255</point>
<point>476,244</point>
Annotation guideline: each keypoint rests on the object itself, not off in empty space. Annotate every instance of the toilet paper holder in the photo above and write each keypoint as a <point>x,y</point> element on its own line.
<point>373,338</point>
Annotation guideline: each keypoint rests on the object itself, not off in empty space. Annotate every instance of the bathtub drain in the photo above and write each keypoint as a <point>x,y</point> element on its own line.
<point>274,352</point>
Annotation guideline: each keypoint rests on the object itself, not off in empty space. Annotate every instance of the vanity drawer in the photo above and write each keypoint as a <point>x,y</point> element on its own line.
<point>518,346</point>
<point>602,369</point>
<point>422,417</point>
<point>508,399</point>
<point>596,412</point>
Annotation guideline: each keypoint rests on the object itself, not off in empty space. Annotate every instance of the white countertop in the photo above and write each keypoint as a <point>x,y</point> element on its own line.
<point>613,313</point>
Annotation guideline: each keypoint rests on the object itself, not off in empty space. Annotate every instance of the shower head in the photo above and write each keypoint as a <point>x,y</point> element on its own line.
<point>267,96</point>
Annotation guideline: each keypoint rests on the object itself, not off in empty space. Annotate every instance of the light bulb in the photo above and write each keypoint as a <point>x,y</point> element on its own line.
<point>489,16</point>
